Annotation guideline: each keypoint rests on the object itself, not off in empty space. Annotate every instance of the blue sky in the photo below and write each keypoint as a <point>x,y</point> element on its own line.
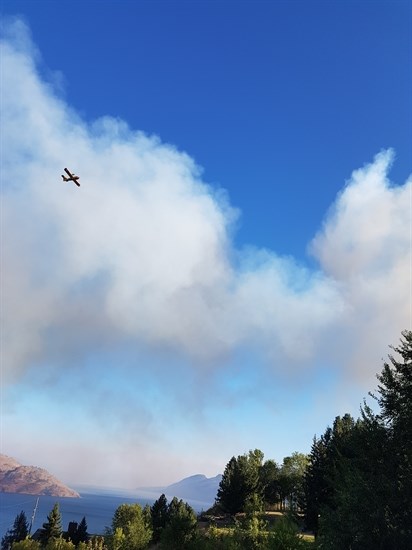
<point>237,259</point>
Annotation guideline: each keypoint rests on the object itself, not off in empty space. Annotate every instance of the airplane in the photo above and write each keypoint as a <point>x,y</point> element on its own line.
<point>72,177</point>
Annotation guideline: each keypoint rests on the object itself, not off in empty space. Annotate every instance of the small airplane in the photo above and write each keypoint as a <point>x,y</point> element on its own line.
<point>72,177</point>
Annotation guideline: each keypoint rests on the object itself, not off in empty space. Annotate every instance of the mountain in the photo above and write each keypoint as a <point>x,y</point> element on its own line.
<point>194,488</point>
<point>31,480</point>
<point>197,487</point>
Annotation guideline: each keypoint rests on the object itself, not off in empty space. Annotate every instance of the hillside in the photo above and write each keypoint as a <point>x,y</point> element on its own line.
<point>31,480</point>
<point>193,488</point>
<point>197,487</point>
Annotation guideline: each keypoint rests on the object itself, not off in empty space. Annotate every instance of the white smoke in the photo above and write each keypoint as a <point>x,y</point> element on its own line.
<point>143,251</point>
<point>366,247</point>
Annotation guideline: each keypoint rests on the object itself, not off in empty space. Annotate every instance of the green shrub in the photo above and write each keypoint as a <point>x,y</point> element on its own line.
<point>27,544</point>
<point>285,536</point>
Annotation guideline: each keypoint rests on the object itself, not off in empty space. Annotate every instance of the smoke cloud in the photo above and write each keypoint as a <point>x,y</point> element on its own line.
<point>143,251</point>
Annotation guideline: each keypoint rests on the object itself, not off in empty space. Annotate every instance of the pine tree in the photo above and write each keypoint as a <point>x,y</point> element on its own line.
<point>71,533</point>
<point>395,400</point>
<point>181,525</point>
<point>359,479</point>
<point>18,532</point>
<point>53,527</point>
<point>316,487</point>
<point>159,514</point>
<point>82,535</point>
<point>240,481</point>
<point>395,392</point>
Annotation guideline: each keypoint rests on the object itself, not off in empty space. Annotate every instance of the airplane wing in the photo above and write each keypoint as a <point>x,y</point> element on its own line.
<point>72,177</point>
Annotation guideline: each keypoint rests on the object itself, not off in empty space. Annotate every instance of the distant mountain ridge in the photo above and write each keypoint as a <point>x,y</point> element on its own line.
<point>30,480</point>
<point>195,488</point>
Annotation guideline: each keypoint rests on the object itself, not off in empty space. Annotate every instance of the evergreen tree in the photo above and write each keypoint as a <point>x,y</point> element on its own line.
<point>395,401</point>
<point>180,530</point>
<point>355,514</point>
<point>359,481</point>
<point>240,481</point>
<point>18,532</point>
<point>159,514</point>
<point>317,490</point>
<point>231,493</point>
<point>53,527</point>
<point>325,470</point>
<point>395,391</point>
<point>82,534</point>
<point>71,533</point>
<point>77,533</point>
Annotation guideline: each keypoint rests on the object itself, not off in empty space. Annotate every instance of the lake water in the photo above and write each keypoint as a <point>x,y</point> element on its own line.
<point>98,509</point>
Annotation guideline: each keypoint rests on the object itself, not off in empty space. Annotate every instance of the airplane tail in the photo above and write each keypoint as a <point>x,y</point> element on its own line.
<point>64,178</point>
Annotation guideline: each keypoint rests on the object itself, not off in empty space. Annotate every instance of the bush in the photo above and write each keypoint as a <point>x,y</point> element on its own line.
<point>59,544</point>
<point>251,533</point>
<point>94,543</point>
<point>285,536</point>
<point>27,544</point>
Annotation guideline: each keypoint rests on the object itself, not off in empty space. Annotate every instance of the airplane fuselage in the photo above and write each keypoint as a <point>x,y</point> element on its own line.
<point>72,177</point>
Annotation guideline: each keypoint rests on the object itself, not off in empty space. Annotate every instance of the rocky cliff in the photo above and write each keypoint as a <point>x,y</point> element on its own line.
<point>16,478</point>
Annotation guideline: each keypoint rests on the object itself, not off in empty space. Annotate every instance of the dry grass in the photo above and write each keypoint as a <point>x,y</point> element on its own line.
<point>225,526</point>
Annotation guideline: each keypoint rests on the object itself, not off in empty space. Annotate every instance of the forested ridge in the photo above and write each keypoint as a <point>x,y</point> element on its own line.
<point>352,491</point>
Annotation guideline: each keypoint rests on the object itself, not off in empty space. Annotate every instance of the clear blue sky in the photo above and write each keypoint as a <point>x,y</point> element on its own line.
<point>216,324</point>
<point>277,101</point>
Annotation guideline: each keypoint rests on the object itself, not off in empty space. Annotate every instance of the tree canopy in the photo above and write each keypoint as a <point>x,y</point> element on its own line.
<point>52,528</point>
<point>358,484</point>
<point>131,528</point>
<point>17,533</point>
<point>180,528</point>
<point>160,515</point>
<point>240,481</point>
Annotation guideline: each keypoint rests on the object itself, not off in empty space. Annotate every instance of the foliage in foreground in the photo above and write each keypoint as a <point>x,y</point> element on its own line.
<point>252,533</point>
<point>94,543</point>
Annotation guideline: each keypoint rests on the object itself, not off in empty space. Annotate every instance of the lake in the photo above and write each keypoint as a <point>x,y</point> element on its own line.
<point>98,509</point>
